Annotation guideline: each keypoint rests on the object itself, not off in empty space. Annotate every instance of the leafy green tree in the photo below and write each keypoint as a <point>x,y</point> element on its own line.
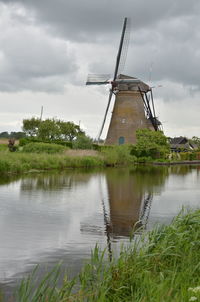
<point>49,130</point>
<point>30,126</point>
<point>69,131</point>
<point>196,140</point>
<point>4,134</point>
<point>151,144</point>
<point>82,142</point>
<point>17,135</point>
<point>13,134</point>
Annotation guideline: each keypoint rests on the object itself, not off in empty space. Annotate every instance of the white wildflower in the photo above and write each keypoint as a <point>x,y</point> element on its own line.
<point>194,289</point>
<point>193,298</point>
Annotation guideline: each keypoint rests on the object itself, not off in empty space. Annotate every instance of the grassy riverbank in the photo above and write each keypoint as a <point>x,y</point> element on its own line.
<point>165,268</point>
<point>46,156</point>
<point>23,161</point>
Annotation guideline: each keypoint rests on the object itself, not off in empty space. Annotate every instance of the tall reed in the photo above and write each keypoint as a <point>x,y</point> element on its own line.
<point>163,267</point>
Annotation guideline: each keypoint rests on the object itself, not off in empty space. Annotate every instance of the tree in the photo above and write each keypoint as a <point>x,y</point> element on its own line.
<point>196,140</point>
<point>82,142</point>
<point>51,129</point>
<point>30,126</point>
<point>17,135</point>
<point>13,134</point>
<point>151,143</point>
<point>4,134</point>
<point>69,131</point>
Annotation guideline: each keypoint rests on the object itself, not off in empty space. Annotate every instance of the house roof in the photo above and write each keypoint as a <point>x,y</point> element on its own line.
<point>178,140</point>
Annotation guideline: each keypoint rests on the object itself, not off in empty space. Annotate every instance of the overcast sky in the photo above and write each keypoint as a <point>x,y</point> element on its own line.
<point>47,48</point>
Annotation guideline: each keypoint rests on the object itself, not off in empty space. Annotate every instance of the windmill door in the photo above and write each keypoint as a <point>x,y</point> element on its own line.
<point>121,140</point>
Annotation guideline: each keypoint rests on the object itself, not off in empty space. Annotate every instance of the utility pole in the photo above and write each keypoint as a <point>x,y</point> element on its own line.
<point>41,113</point>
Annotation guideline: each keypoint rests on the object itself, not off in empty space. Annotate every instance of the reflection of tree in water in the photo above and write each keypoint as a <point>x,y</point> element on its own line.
<point>55,180</point>
<point>6,179</point>
<point>130,194</point>
<point>183,169</point>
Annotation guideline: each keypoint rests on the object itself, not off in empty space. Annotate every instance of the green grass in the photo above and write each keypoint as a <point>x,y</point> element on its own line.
<point>18,162</point>
<point>163,267</point>
<point>3,147</point>
<point>43,156</point>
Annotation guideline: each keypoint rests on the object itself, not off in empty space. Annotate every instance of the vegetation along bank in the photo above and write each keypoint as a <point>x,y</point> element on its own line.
<point>162,267</point>
<point>53,144</point>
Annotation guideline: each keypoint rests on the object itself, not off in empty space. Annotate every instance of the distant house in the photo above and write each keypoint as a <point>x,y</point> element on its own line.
<point>181,144</point>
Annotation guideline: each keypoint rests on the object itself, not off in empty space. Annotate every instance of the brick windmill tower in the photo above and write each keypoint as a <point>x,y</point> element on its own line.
<point>134,106</point>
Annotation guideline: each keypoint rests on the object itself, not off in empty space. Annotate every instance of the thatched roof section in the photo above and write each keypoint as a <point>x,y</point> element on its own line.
<point>181,143</point>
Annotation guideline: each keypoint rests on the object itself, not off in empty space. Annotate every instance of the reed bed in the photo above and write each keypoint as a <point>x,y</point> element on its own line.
<point>25,162</point>
<point>163,267</point>
<point>40,156</point>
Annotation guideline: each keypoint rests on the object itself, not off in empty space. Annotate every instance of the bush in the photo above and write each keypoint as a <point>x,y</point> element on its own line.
<point>96,147</point>
<point>198,155</point>
<point>82,142</point>
<point>144,159</point>
<point>43,148</point>
<point>150,144</point>
<point>189,155</point>
<point>28,140</point>
<point>117,155</point>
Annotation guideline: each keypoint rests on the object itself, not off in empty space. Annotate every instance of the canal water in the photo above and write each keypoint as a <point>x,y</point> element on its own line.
<point>60,216</point>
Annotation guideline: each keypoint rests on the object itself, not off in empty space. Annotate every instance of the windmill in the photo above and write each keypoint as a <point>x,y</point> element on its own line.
<point>134,105</point>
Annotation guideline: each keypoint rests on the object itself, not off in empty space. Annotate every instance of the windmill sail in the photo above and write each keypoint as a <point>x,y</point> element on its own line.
<point>98,79</point>
<point>115,73</point>
<point>105,115</point>
<point>125,45</point>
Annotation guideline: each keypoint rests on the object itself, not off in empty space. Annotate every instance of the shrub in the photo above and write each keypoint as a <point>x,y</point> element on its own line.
<point>82,142</point>
<point>150,144</point>
<point>144,159</point>
<point>198,155</point>
<point>28,140</point>
<point>117,155</point>
<point>96,147</point>
<point>43,148</point>
<point>188,155</point>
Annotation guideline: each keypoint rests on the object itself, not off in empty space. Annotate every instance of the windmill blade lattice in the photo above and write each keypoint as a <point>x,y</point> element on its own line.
<point>98,79</point>
<point>125,46</point>
<point>117,65</point>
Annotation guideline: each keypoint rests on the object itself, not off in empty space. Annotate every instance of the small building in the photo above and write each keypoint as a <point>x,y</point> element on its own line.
<point>182,144</point>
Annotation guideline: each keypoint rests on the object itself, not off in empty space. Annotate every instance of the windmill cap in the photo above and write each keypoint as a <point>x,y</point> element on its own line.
<point>126,82</point>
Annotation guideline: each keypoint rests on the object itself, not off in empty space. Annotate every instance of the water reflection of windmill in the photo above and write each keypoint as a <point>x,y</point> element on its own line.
<point>129,204</point>
<point>134,105</point>
<point>126,208</point>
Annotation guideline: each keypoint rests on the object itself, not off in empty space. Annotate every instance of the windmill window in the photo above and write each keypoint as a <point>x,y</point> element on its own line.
<point>123,121</point>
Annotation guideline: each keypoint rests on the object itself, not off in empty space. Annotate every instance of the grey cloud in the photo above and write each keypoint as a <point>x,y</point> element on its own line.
<point>91,19</point>
<point>31,59</point>
<point>170,50</point>
<point>164,34</point>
